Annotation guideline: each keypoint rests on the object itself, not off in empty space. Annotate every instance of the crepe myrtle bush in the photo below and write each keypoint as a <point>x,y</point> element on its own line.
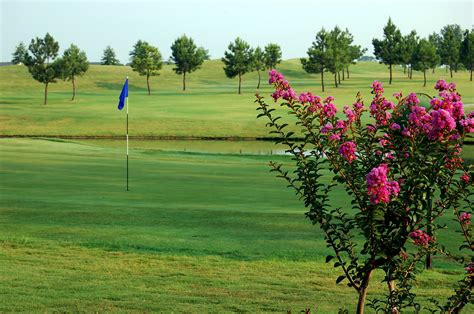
<point>402,171</point>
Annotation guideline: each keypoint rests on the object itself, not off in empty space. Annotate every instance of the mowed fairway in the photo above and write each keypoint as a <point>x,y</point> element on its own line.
<point>210,107</point>
<point>196,232</point>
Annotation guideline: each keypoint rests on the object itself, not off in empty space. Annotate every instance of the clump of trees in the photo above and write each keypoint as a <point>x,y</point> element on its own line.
<point>238,60</point>
<point>187,57</point>
<point>332,51</point>
<point>146,60</point>
<point>74,63</point>
<point>451,48</point>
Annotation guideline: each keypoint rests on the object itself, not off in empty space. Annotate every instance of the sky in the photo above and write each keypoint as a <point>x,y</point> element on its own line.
<point>213,24</point>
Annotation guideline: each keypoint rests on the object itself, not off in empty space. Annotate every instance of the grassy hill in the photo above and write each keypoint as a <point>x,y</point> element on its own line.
<point>210,106</point>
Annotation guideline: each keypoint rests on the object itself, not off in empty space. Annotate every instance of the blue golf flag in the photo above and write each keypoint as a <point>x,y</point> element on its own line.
<point>123,95</point>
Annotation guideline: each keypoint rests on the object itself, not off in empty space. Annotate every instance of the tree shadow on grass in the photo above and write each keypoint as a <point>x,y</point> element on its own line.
<point>118,86</point>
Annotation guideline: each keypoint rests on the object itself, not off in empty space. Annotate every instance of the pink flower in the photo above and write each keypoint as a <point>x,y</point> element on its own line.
<point>441,123</point>
<point>467,124</point>
<point>397,95</point>
<point>441,85</point>
<point>277,94</point>
<point>420,237</point>
<point>378,188</point>
<point>326,128</point>
<point>465,218</point>
<point>329,110</point>
<point>334,137</point>
<point>358,107</point>
<point>349,114</point>
<point>306,97</point>
<point>395,126</point>
<point>289,94</point>
<point>465,177</point>
<point>377,87</point>
<point>470,268</point>
<point>412,99</point>
<point>348,150</point>
<point>328,99</point>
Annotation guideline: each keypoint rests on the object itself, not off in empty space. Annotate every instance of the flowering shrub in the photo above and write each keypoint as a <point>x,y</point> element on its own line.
<point>402,171</point>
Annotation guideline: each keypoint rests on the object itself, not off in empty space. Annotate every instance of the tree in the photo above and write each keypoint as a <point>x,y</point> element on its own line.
<point>146,60</point>
<point>42,63</point>
<point>20,54</point>
<point>451,38</point>
<point>186,56</point>
<point>424,57</point>
<point>337,53</point>
<point>408,46</point>
<point>237,60</point>
<point>272,55</point>
<point>259,62</point>
<point>435,39</point>
<point>467,51</point>
<point>355,53</point>
<point>109,57</point>
<point>388,49</point>
<point>318,56</point>
<point>74,63</point>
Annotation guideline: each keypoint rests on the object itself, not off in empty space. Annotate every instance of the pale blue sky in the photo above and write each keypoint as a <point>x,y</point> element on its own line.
<point>213,24</point>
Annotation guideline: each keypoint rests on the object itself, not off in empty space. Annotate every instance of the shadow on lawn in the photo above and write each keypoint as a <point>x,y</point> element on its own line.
<point>118,86</point>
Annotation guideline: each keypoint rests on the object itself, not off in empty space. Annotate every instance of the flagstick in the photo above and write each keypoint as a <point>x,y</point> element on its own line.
<point>127,139</point>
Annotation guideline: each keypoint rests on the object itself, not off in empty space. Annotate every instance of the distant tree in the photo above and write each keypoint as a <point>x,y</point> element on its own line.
<point>407,51</point>
<point>467,51</point>
<point>424,57</point>
<point>73,63</point>
<point>186,56</point>
<point>258,61</point>
<point>451,38</point>
<point>337,53</point>
<point>388,49</point>
<point>20,54</point>
<point>318,56</point>
<point>367,58</point>
<point>272,56</point>
<point>146,60</point>
<point>42,63</point>
<point>109,57</point>
<point>435,39</point>
<point>355,53</point>
<point>238,60</point>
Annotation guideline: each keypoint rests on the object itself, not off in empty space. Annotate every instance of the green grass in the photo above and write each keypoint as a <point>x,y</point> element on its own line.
<point>197,232</point>
<point>210,106</point>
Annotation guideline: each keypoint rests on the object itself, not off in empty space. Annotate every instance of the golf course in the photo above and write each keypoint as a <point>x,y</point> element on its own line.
<point>205,227</point>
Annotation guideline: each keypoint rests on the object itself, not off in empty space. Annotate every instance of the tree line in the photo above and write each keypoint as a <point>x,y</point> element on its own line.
<point>332,51</point>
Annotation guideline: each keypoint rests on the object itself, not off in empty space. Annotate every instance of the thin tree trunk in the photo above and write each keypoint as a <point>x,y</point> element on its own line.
<point>184,81</point>
<point>364,287</point>
<point>404,69</point>
<point>240,82</point>
<point>45,93</point>
<point>390,81</point>
<point>391,289</point>
<point>322,80</point>
<point>411,72</point>
<point>429,229</point>
<point>471,75</point>
<point>424,78</point>
<point>343,75</point>
<point>347,72</point>
<point>258,86</point>
<point>451,71</point>
<point>73,88</point>
<point>339,77</point>
<point>335,79</point>
<point>148,83</point>
<point>433,70</point>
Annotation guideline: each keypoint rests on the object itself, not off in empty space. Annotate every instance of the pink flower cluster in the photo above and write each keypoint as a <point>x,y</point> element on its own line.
<point>412,100</point>
<point>283,88</point>
<point>470,268</point>
<point>348,150</point>
<point>441,85</point>
<point>465,218</point>
<point>420,237</point>
<point>465,177</point>
<point>379,105</point>
<point>378,188</point>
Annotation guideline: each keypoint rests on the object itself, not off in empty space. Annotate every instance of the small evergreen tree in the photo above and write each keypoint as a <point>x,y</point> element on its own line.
<point>146,60</point>
<point>388,49</point>
<point>74,63</point>
<point>424,57</point>
<point>467,51</point>
<point>272,56</point>
<point>42,63</point>
<point>435,39</point>
<point>259,63</point>
<point>20,54</point>
<point>318,56</point>
<point>451,38</point>
<point>109,57</point>
<point>186,56</point>
<point>238,60</point>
